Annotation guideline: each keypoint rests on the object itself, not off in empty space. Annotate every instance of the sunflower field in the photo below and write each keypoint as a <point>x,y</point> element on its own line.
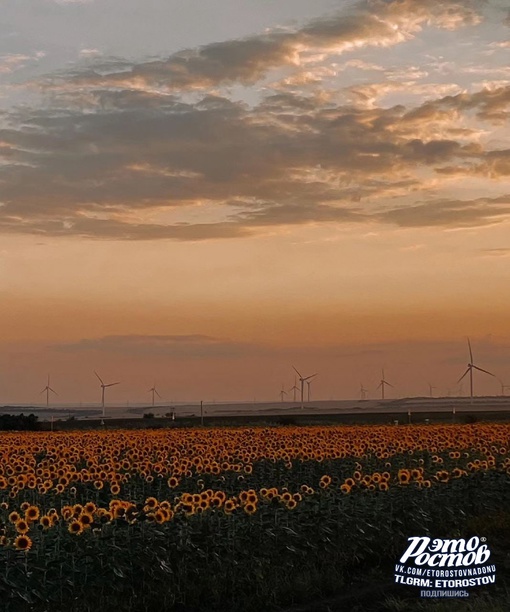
<point>235,519</point>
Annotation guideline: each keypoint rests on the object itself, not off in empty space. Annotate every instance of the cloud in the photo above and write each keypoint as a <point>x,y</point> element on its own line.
<point>193,346</point>
<point>500,252</point>
<point>366,23</point>
<point>12,62</point>
<point>490,104</point>
<point>121,151</point>
<point>450,213</point>
<point>134,157</point>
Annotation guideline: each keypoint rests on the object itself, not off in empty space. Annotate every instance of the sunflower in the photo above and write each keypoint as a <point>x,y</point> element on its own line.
<point>115,489</point>
<point>67,512</point>
<point>45,521</point>
<point>404,477</point>
<point>32,513</point>
<point>14,517</point>
<point>250,508</point>
<point>90,507</point>
<point>345,488</point>
<point>291,504</point>
<point>118,512</point>
<point>173,482</point>
<point>229,506</point>
<point>75,527</point>
<point>160,517</point>
<point>23,542</point>
<point>325,481</point>
<point>151,502</point>
<point>22,526</point>
<point>86,519</point>
<point>106,517</point>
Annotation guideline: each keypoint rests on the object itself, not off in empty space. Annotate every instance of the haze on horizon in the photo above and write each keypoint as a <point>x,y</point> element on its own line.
<point>206,194</point>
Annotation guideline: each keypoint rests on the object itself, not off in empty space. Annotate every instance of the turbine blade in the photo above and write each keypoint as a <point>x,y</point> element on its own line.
<point>297,372</point>
<point>308,377</point>
<point>43,390</point>
<point>157,394</point>
<point>112,384</point>
<point>101,380</point>
<point>465,374</point>
<point>482,370</point>
<point>53,390</point>
<point>470,351</point>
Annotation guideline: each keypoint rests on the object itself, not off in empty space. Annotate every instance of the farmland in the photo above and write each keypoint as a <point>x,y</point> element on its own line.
<point>237,518</point>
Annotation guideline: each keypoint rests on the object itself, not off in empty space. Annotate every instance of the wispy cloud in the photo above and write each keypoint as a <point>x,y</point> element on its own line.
<point>194,346</point>
<point>499,252</point>
<point>451,213</point>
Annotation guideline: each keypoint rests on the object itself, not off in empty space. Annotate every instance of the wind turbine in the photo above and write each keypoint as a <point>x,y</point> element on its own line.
<point>294,389</point>
<point>382,383</point>
<point>470,367</point>
<point>308,383</point>
<point>503,386</point>
<point>362,392</point>
<point>303,380</point>
<point>103,387</point>
<point>282,393</point>
<point>431,389</point>
<point>154,391</point>
<point>47,388</point>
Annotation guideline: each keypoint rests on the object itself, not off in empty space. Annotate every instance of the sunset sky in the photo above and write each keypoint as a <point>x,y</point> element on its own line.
<point>206,193</point>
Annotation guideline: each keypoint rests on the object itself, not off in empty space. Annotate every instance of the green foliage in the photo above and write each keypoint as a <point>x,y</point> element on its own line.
<point>19,422</point>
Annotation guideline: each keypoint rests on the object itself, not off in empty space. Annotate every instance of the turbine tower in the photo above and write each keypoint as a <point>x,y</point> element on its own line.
<point>431,390</point>
<point>382,383</point>
<point>154,391</point>
<point>103,387</point>
<point>303,379</point>
<point>470,367</point>
<point>362,392</point>
<point>308,384</point>
<point>47,388</point>
<point>503,387</point>
<point>282,393</point>
<point>294,389</point>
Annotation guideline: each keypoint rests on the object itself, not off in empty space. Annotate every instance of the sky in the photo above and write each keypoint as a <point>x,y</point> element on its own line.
<point>206,194</point>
